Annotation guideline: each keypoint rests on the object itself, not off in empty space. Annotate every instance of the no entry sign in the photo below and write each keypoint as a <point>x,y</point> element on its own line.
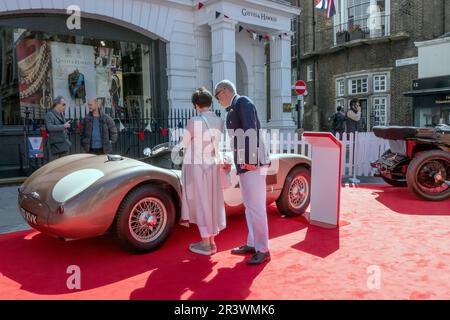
<point>300,87</point>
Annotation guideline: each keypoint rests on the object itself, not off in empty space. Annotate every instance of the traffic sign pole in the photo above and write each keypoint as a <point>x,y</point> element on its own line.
<point>300,89</point>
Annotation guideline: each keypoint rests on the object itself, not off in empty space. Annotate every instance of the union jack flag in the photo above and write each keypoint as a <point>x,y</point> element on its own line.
<point>327,5</point>
<point>321,4</point>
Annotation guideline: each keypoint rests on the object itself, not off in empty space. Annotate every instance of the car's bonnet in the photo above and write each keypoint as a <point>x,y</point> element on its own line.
<point>75,171</point>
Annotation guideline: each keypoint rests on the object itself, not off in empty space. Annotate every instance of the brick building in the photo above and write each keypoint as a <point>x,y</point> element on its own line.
<point>365,51</point>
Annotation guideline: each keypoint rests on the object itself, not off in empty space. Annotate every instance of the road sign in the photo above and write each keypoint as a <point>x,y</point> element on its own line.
<point>300,87</point>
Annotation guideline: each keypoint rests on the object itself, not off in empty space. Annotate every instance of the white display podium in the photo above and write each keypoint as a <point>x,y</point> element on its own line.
<point>326,175</point>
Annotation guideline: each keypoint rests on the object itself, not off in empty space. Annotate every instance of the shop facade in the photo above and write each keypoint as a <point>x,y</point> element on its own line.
<point>431,90</point>
<point>140,58</point>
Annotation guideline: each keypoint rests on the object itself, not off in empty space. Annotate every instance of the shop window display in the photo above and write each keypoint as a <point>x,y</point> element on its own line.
<point>36,66</point>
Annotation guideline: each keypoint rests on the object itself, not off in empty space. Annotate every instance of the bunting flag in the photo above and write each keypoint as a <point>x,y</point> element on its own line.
<point>241,28</point>
<point>200,5</point>
<point>219,13</point>
<point>148,127</point>
<point>266,37</point>
<point>164,132</point>
<point>44,133</point>
<point>121,126</point>
<point>141,135</point>
<point>260,38</point>
<point>80,126</point>
<point>254,36</point>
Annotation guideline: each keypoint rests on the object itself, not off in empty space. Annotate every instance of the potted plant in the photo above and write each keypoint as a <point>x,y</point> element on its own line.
<point>341,36</point>
<point>355,32</point>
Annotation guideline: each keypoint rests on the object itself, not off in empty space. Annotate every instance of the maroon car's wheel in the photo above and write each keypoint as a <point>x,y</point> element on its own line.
<point>428,175</point>
<point>295,196</point>
<point>145,218</point>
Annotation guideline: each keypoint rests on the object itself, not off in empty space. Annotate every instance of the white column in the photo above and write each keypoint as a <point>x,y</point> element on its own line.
<point>203,59</point>
<point>280,82</point>
<point>223,49</point>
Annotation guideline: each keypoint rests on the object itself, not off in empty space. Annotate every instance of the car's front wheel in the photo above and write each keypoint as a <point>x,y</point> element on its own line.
<point>295,196</point>
<point>144,219</point>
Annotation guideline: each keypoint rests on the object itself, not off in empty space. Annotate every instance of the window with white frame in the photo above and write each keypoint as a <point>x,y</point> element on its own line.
<point>379,111</point>
<point>357,12</point>
<point>309,73</point>
<point>340,103</point>
<point>380,83</point>
<point>358,85</point>
<point>340,88</point>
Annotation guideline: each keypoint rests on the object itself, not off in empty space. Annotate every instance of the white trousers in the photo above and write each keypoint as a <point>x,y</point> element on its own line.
<point>253,189</point>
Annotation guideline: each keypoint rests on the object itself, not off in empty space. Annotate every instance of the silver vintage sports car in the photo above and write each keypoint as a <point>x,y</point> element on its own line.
<point>83,195</point>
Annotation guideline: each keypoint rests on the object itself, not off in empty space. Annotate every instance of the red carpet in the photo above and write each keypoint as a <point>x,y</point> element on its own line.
<point>408,239</point>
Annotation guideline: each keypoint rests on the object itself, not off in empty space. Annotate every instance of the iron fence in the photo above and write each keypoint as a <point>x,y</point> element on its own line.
<point>134,133</point>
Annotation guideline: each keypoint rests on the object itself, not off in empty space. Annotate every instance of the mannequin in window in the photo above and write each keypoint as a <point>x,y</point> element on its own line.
<point>77,85</point>
<point>114,91</point>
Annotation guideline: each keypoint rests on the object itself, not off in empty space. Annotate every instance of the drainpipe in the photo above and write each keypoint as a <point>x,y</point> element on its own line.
<point>443,17</point>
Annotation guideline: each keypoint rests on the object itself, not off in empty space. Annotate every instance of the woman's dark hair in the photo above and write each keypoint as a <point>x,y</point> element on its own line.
<point>353,102</point>
<point>202,97</point>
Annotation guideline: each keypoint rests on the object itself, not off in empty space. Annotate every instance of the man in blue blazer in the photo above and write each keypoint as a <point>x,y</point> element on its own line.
<point>250,158</point>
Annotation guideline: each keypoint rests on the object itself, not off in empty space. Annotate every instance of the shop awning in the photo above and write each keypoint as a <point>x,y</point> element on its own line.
<point>426,92</point>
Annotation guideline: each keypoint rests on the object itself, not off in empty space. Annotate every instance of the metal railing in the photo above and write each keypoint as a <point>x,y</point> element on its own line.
<point>134,133</point>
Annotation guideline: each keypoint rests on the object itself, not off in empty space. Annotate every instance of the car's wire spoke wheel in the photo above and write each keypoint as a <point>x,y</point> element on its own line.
<point>295,196</point>
<point>298,192</point>
<point>428,175</point>
<point>432,176</point>
<point>147,220</point>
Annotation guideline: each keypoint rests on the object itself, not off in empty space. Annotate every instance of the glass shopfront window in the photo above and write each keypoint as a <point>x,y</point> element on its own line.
<point>432,110</point>
<point>36,66</point>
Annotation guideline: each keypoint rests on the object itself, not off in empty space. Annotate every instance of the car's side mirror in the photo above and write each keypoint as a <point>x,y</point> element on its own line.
<point>147,152</point>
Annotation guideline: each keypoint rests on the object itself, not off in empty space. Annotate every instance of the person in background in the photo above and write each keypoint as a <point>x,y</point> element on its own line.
<point>353,120</point>
<point>338,120</point>
<point>57,144</point>
<point>98,132</point>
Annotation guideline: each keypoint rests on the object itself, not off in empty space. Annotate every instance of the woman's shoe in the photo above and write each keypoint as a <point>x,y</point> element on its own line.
<point>200,248</point>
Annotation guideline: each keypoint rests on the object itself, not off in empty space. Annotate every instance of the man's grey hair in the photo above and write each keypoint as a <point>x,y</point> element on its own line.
<point>57,100</point>
<point>225,84</point>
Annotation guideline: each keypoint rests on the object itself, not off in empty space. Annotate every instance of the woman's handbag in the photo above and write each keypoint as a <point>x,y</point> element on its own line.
<point>225,175</point>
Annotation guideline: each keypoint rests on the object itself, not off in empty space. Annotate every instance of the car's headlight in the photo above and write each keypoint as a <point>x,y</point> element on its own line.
<point>75,183</point>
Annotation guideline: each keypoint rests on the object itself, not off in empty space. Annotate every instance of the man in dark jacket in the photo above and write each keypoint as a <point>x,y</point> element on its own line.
<point>57,144</point>
<point>338,120</point>
<point>99,131</point>
<point>250,158</point>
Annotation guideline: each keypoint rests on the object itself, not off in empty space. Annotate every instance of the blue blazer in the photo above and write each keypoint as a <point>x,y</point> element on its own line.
<point>242,114</point>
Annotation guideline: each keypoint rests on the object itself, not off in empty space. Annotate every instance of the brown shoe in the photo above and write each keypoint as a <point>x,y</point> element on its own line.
<point>245,249</point>
<point>259,258</point>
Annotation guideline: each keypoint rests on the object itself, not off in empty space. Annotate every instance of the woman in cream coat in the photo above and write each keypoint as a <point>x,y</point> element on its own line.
<point>202,201</point>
